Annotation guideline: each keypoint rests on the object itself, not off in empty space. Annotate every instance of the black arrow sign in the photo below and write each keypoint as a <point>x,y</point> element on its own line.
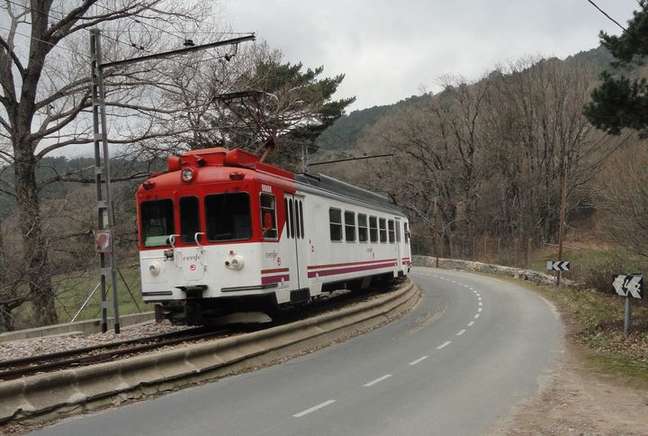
<point>557,265</point>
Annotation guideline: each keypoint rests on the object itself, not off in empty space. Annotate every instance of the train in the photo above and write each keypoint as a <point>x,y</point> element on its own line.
<point>221,231</point>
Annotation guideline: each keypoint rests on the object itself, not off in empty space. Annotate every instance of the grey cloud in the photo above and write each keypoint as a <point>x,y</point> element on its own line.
<point>389,49</point>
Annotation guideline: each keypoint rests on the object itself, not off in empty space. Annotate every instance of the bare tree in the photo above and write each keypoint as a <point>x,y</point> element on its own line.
<point>45,97</point>
<point>486,159</point>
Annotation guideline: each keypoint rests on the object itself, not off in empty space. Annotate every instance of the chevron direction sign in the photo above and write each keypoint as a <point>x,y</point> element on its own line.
<point>629,285</point>
<point>557,265</point>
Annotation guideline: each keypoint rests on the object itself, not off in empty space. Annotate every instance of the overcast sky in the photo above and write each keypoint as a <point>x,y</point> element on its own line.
<point>390,50</point>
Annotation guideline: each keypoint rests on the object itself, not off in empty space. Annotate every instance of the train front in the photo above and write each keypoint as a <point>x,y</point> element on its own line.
<point>200,236</point>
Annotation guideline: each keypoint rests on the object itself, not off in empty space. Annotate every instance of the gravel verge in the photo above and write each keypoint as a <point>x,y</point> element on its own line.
<point>45,345</point>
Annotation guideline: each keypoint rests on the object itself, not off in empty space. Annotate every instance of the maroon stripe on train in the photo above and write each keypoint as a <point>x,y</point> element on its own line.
<point>330,272</point>
<point>350,263</point>
<point>267,280</point>
<point>276,270</point>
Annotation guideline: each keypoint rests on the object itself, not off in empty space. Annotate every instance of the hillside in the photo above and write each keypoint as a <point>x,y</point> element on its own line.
<point>343,135</point>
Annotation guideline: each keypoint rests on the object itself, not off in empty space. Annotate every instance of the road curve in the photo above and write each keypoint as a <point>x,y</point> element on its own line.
<point>472,349</point>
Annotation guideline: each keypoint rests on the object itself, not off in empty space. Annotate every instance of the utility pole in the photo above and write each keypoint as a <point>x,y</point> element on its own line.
<point>563,212</point>
<point>105,215</point>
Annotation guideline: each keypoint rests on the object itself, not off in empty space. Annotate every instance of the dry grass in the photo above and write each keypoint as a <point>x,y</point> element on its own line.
<point>595,324</point>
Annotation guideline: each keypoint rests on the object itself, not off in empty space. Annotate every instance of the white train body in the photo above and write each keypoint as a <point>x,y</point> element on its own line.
<point>221,231</point>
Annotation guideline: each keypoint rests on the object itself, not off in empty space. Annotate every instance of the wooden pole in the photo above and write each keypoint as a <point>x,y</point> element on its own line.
<point>563,211</point>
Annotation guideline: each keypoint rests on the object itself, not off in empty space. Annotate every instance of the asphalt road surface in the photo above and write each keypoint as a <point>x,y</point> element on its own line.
<point>473,348</point>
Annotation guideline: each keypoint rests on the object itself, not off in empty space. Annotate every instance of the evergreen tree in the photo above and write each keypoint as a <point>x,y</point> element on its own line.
<point>290,106</point>
<point>621,100</point>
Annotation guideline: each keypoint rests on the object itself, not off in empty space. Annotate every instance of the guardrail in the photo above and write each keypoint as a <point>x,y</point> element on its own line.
<point>169,369</point>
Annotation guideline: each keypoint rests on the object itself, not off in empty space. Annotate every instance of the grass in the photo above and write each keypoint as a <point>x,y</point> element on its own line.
<point>595,326</point>
<point>73,289</point>
<point>592,267</point>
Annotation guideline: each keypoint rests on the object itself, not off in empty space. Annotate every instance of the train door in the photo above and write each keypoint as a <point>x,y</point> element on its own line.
<point>295,222</point>
<point>190,257</point>
<point>399,248</point>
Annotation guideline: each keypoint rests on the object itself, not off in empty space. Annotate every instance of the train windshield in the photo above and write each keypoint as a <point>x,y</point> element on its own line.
<point>228,217</point>
<point>157,222</point>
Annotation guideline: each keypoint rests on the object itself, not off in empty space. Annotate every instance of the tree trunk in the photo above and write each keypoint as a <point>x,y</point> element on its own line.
<point>35,261</point>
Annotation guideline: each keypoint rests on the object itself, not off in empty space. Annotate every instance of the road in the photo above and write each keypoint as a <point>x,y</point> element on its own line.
<point>470,351</point>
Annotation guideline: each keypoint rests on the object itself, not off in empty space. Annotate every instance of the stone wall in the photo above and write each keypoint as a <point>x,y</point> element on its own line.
<point>468,265</point>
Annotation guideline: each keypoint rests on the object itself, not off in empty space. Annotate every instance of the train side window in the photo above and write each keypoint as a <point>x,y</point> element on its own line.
<point>287,215</point>
<point>406,233</point>
<point>297,221</point>
<point>228,216</point>
<point>189,219</point>
<point>383,230</point>
<point>292,218</point>
<point>335,223</point>
<point>398,231</point>
<point>373,228</point>
<point>157,222</point>
<point>390,228</point>
<point>349,226</point>
<point>268,216</point>
<point>301,219</point>
<point>363,233</point>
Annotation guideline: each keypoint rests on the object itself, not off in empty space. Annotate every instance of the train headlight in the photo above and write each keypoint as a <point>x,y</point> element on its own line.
<point>235,263</point>
<point>154,269</point>
<point>187,175</point>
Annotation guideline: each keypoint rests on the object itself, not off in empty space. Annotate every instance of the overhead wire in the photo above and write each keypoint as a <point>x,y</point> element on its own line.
<point>607,15</point>
<point>124,43</point>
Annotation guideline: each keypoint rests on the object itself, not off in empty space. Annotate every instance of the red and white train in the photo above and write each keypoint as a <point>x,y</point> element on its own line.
<point>221,232</point>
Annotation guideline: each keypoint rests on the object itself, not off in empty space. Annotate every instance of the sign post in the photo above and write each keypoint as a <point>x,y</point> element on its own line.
<point>558,266</point>
<point>628,285</point>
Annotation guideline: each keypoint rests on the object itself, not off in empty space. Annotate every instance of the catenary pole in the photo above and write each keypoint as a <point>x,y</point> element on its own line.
<point>102,210</point>
<point>105,212</point>
<point>106,168</point>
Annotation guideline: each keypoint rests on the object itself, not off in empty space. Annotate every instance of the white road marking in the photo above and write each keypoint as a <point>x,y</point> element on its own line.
<point>313,409</point>
<point>477,316</point>
<point>479,309</point>
<point>461,332</point>
<point>419,360</point>
<point>470,324</point>
<point>480,304</point>
<point>445,344</point>
<point>378,380</point>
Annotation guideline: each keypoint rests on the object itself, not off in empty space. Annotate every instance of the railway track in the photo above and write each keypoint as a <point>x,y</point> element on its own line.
<point>77,357</point>
<point>16,368</point>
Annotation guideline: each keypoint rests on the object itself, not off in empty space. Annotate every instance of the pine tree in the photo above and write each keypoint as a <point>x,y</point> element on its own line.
<point>621,100</point>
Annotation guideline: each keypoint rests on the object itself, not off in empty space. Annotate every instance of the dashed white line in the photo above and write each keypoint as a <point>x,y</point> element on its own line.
<point>313,409</point>
<point>378,380</point>
<point>419,360</point>
<point>476,316</point>
<point>445,344</point>
<point>461,332</point>
<point>479,309</point>
<point>480,304</point>
<point>470,324</point>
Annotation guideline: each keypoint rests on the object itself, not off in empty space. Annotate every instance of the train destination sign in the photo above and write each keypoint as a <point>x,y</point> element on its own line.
<point>557,265</point>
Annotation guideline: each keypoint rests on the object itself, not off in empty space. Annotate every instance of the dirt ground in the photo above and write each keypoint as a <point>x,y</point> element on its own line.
<point>574,400</point>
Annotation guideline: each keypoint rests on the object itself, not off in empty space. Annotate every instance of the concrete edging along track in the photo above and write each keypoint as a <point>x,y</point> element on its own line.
<point>44,393</point>
<point>472,266</point>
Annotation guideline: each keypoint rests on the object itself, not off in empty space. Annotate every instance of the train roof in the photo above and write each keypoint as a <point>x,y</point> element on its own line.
<point>329,184</point>
<point>217,164</point>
